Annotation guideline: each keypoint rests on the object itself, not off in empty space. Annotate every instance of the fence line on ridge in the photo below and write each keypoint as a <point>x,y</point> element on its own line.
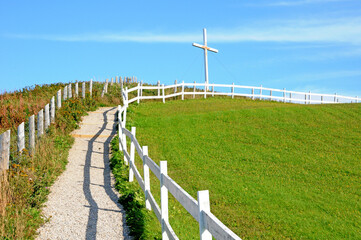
<point>252,92</point>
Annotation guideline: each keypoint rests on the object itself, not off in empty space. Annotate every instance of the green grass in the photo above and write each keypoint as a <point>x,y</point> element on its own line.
<point>142,224</point>
<point>273,170</point>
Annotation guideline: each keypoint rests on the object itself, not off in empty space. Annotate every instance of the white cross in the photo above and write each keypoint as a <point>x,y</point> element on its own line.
<point>206,48</point>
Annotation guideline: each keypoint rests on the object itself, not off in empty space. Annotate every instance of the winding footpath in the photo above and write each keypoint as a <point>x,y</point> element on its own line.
<point>83,203</point>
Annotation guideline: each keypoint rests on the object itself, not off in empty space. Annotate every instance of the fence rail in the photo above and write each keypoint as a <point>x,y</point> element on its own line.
<point>253,92</point>
<point>209,225</point>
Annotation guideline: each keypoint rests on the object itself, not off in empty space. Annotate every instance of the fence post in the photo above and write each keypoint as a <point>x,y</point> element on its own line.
<point>252,93</point>
<point>194,90</point>
<point>270,93</point>
<point>175,87</point>
<point>309,97</point>
<point>106,86</point>
<point>158,88</point>
<point>203,206</point>
<point>52,109</point>
<point>70,92</point>
<point>111,83</point>
<point>46,117</point>
<point>260,93</point>
<point>76,89</point>
<point>356,99</point>
<point>120,134</point>
<point>116,80</point>
<point>21,137</point>
<point>305,98</point>
<point>139,89</point>
<point>146,178</point>
<point>321,99</point>
<point>65,94</point>
<point>132,153</point>
<point>163,93</point>
<point>232,90</point>
<point>212,91</point>
<point>123,126</point>
<point>205,90</point>
<point>163,198</point>
<point>31,134</point>
<point>183,90</point>
<point>126,90</point>
<point>126,103</point>
<point>335,97</point>
<point>104,89</point>
<point>284,95</point>
<point>91,88</point>
<point>121,83</point>
<point>40,123</point>
<point>5,150</point>
<point>83,90</point>
<point>58,99</point>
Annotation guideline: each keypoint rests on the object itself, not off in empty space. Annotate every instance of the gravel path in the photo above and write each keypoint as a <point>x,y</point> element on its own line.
<point>83,203</point>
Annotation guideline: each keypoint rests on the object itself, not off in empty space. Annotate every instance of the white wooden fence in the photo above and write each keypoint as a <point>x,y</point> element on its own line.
<point>45,117</point>
<point>233,90</point>
<point>209,225</point>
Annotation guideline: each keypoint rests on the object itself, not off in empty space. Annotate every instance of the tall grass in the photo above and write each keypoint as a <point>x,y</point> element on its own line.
<point>17,106</point>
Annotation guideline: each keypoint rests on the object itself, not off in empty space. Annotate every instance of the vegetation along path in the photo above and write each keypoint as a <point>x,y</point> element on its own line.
<point>83,203</point>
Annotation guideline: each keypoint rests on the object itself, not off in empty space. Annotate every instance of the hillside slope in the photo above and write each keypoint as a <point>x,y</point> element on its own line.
<point>273,170</point>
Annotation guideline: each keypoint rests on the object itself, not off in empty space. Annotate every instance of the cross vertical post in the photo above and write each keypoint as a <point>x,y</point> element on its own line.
<point>205,48</point>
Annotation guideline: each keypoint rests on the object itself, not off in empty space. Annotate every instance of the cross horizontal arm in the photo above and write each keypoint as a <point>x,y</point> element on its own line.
<point>205,47</point>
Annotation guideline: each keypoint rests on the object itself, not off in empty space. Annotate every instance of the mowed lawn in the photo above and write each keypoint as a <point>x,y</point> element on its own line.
<point>273,170</point>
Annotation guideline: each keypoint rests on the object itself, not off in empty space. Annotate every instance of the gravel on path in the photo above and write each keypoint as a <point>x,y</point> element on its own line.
<point>83,203</point>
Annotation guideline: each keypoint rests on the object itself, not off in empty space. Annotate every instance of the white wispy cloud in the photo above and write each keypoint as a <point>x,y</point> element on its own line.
<point>344,30</point>
<point>108,37</point>
<point>301,2</point>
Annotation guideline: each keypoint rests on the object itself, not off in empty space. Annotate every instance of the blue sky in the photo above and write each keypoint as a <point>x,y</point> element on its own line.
<point>298,45</point>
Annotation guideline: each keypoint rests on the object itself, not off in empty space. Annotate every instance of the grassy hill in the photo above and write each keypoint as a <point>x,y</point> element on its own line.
<point>273,170</point>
